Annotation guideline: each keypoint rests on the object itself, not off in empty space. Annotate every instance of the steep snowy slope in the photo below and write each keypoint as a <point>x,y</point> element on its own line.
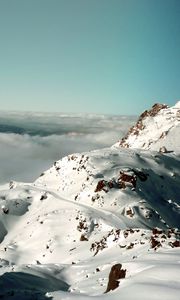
<point>60,236</point>
<point>156,128</point>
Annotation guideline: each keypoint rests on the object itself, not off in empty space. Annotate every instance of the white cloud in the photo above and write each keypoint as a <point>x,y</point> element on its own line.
<point>24,156</point>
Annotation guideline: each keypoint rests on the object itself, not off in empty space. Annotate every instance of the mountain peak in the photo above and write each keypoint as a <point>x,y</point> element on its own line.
<point>155,128</point>
<point>177,105</point>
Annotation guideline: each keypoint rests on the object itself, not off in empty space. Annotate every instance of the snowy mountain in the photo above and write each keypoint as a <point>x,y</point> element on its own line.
<point>155,128</point>
<point>114,208</point>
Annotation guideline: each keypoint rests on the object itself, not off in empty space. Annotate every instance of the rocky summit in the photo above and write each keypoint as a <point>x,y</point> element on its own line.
<point>155,128</point>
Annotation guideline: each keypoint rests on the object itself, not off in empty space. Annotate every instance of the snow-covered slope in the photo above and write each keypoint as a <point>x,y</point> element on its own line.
<point>60,236</point>
<point>156,128</point>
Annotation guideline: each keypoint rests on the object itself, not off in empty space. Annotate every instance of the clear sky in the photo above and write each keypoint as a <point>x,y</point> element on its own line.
<point>97,56</point>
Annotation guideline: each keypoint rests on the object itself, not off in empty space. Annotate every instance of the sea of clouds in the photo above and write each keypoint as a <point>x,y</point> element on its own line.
<point>31,142</point>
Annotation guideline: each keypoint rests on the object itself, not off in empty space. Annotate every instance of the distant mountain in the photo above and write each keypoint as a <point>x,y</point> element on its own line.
<point>96,218</point>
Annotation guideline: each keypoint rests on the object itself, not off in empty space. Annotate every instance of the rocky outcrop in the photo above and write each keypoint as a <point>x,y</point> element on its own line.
<point>139,126</point>
<point>155,129</point>
<point>115,275</point>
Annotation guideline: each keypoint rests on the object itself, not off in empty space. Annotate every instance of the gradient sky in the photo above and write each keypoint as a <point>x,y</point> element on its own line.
<point>97,56</point>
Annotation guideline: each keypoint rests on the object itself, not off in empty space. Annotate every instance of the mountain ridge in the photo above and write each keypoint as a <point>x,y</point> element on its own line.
<point>153,129</point>
<point>61,235</point>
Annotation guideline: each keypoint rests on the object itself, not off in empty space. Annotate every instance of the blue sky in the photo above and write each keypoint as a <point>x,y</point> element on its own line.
<point>97,56</point>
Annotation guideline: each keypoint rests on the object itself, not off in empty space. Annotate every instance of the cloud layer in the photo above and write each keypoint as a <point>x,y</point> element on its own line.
<point>31,142</point>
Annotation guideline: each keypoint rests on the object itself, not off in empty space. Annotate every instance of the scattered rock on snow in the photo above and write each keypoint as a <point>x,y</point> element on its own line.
<point>163,150</point>
<point>115,274</point>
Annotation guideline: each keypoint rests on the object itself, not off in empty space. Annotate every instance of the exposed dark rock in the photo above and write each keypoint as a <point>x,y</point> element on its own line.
<point>130,212</point>
<point>72,157</point>
<point>82,225</point>
<point>100,186</point>
<point>43,197</point>
<point>131,245</point>
<point>5,210</point>
<point>83,238</point>
<point>126,178</point>
<point>157,231</point>
<point>163,149</point>
<point>175,244</point>
<point>115,274</point>
<point>155,243</point>
<point>163,134</point>
<point>156,108</point>
<point>11,185</point>
<point>75,198</point>
<point>99,246</point>
<point>139,126</point>
<point>102,244</point>
<point>97,270</point>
